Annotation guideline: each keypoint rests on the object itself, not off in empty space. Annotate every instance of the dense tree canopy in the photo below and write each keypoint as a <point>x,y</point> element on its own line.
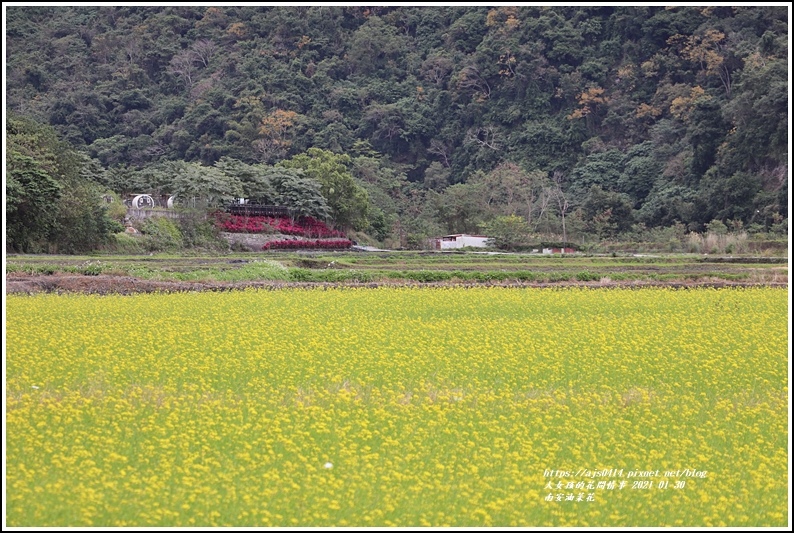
<point>53,194</point>
<point>348,202</point>
<point>678,114</point>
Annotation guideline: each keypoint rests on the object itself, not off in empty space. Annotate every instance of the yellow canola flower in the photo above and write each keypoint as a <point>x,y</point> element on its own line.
<point>438,407</point>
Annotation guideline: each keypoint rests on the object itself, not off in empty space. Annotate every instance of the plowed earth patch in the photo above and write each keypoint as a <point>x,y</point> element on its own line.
<point>104,284</point>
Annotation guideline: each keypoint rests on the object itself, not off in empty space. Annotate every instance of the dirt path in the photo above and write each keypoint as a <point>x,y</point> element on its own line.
<point>103,284</point>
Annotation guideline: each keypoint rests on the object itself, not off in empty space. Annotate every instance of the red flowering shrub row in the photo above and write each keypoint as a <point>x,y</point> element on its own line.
<point>237,224</point>
<point>336,243</point>
<point>317,228</point>
<point>306,227</point>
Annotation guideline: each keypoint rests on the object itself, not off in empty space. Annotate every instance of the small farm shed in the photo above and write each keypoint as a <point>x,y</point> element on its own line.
<point>460,240</point>
<point>558,250</point>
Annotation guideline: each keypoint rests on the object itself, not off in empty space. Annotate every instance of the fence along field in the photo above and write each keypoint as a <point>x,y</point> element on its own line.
<point>397,406</point>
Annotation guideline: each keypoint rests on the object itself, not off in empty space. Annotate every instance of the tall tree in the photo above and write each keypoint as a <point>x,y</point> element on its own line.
<point>53,201</point>
<point>347,200</point>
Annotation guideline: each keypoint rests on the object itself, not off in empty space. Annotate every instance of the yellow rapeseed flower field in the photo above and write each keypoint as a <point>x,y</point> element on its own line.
<point>398,406</point>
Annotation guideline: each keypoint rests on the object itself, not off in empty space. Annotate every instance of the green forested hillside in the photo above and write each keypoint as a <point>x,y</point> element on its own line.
<point>601,118</point>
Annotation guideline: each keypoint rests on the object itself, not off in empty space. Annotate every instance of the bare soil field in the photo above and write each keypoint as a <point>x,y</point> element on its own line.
<point>105,284</point>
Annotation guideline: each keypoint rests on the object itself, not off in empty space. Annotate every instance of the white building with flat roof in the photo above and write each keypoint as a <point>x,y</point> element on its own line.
<point>460,240</point>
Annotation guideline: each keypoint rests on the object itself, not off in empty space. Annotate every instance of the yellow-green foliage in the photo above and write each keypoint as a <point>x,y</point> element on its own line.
<point>431,407</point>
